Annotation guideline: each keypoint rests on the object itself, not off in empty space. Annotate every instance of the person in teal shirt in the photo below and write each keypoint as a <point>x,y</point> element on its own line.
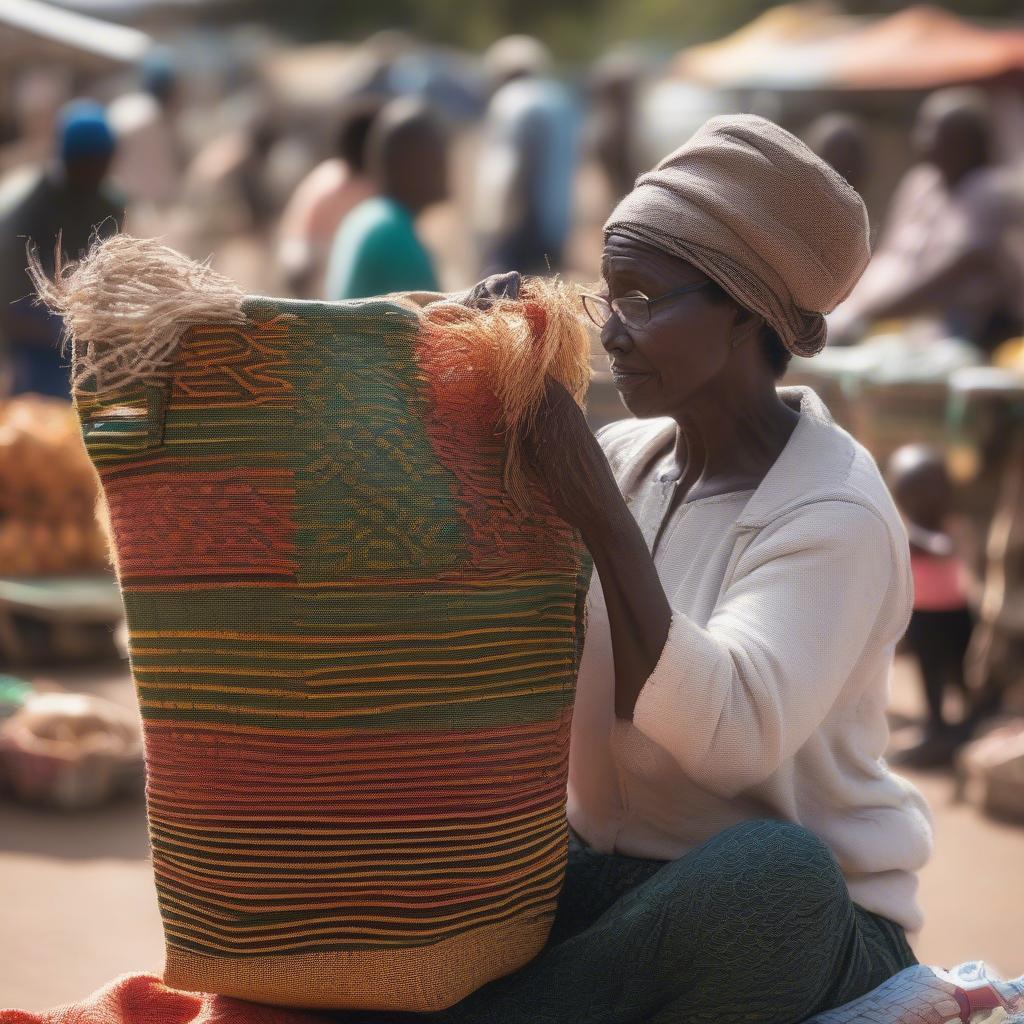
<point>376,249</point>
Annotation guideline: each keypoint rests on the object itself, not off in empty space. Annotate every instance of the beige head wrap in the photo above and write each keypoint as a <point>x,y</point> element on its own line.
<point>753,208</point>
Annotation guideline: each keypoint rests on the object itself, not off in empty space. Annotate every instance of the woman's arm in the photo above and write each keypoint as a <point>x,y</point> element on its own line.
<point>815,594</point>
<point>639,614</point>
<point>580,484</point>
<point>730,701</point>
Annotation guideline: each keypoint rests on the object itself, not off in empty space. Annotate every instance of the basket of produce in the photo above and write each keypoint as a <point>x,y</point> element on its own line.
<point>48,492</point>
<point>58,596</point>
<point>71,750</point>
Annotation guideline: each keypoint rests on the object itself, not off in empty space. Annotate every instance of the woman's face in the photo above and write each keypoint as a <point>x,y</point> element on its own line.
<point>661,367</point>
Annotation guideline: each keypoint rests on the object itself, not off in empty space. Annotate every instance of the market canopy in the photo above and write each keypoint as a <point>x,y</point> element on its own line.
<point>925,47</point>
<point>30,29</point>
<point>812,46</point>
<point>790,46</point>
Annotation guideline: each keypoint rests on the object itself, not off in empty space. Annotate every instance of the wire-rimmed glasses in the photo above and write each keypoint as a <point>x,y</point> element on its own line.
<point>634,309</point>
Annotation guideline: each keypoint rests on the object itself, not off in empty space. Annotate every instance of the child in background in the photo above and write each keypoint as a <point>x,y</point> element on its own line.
<point>941,623</point>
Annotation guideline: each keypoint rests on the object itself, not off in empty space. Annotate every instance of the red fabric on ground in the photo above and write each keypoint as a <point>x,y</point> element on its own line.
<point>145,999</point>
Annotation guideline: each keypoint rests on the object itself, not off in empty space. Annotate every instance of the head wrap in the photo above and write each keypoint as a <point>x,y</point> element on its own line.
<point>752,207</point>
<point>83,130</point>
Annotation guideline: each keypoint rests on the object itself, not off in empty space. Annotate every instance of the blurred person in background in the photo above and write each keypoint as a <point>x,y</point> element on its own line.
<point>613,86</point>
<point>941,623</point>
<point>949,254</point>
<point>68,200</point>
<point>841,140</point>
<point>323,199</point>
<point>149,161</point>
<point>523,198</point>
<point>376,249</point>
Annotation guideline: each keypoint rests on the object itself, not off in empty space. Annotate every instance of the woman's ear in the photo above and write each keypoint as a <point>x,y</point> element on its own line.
<point>747,325</point>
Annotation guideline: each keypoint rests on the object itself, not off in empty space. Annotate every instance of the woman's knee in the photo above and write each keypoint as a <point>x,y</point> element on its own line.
<point>765,855</point>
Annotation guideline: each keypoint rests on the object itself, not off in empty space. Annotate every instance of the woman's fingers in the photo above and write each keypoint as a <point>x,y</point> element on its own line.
<point>498,286</point>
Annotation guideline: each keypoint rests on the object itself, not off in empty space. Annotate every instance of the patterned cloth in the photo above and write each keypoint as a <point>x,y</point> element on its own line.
<point>754,926</point>
<point>355,661</point>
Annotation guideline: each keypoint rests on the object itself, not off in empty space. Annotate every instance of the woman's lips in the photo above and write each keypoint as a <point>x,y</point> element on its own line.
<point>626,379</point>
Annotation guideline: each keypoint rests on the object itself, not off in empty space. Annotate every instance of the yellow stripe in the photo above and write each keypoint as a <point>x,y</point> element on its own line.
<point>361,639</point>
<point>320,924</point>
<point>227,670</point>
<point>427,935</point>
<point>523,835</point>
<point>378,918</point>
<point>345,681</point>
<point>166,705</point>
<point>540,816</point>
<point>378,652</point>
<point>332,874</point>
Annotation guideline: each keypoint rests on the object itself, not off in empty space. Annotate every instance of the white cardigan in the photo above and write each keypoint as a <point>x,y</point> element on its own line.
<point>769,697</point>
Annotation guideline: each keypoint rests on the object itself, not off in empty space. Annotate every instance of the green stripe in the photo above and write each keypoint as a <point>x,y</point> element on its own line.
<point>344,611</point>
<point>333,662</point>
<point>538,707</point>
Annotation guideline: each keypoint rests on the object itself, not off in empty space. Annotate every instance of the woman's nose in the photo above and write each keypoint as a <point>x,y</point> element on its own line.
<point>614,336</point>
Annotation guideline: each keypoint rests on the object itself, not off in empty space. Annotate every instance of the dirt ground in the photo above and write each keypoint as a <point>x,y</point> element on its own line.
<point>79,907</point>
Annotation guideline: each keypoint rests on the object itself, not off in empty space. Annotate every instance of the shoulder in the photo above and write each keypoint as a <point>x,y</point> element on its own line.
<point>322,180</point>
<point>372,224</point>
<point>844,529</point>
<point>827,480</point>
<point>920,181</point>
<point>373,214</point>
<point>19,189</point>
<point>629,443</point>
<point>526,99</point>
<point>992,191</point>
<point>329,174</point>
<point>112,201</point>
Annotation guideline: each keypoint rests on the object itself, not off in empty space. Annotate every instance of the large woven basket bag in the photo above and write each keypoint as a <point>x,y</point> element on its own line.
<point>354,629</point>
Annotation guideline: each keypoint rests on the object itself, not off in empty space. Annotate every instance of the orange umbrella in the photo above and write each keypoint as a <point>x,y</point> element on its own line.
<point>925,47</point>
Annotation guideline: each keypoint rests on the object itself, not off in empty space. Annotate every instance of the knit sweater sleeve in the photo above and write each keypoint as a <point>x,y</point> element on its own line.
<point>734,700</point>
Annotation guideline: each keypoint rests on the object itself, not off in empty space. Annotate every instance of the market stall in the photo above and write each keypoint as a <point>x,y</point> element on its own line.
<point>58,596</point>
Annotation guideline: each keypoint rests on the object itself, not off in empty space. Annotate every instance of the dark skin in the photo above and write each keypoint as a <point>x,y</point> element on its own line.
<point>87,173</point>
<point>406,155</point>
<point>699,361</point>
<point>920,485</point>
<point>841,141</point>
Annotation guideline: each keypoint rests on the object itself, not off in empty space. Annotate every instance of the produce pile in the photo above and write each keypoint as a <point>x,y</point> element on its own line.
<point>48,492</point>
<point>71,750</point>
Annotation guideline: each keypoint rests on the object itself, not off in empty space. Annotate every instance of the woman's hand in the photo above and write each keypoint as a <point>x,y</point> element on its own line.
<point>571,466</point>
<point>498,286</point>
<point>481,296</point>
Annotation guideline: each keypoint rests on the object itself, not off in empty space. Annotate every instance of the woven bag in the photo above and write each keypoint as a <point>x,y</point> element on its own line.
<point>355,655</point>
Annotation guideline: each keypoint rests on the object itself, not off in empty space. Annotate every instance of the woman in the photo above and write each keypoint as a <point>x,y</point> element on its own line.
<point>739,851</point>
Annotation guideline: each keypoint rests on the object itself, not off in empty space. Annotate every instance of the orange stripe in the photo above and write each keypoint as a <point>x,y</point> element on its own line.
<point>378,830</point>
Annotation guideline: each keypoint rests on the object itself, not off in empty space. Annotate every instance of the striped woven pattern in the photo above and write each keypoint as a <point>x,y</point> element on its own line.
<point>355,660</point>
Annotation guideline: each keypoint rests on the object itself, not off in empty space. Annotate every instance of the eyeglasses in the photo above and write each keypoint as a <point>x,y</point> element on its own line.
<point>634,310</point>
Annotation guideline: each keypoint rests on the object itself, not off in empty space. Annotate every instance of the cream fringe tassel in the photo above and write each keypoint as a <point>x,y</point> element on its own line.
<point>126,306</point>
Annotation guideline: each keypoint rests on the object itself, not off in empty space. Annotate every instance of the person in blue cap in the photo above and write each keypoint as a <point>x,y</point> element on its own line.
<point>70,200</point>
